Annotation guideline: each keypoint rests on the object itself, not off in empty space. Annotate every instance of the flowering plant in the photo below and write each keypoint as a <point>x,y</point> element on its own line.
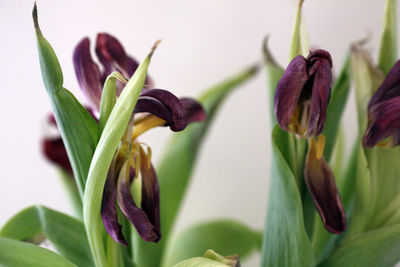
<point>324,208</point>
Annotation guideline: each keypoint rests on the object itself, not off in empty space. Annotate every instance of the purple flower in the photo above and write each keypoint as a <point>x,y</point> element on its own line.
<point>383,112</point>
<point>300,103</point>
<point>133,158</point>
<point>302,94</point>
<point>155,107</point>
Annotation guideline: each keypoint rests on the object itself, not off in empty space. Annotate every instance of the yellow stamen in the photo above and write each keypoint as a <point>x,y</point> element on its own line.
<point>146,124</point>
<point>320,146</point>
<point>304,117</point>
<point>148,157</point>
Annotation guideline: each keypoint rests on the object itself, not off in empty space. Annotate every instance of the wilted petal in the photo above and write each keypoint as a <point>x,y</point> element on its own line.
<point>321,88</point>
<point>164,105</point>
<point>384,122</point>
<point>112,55</point>
<point>87,73</point>
<point>109,213</point>
<point>302,94</point>
<point>150,193</point>
<point>135,215</point>
<point>54,151</point>
<point>193,110</point>
<point>390,87</point>
<point>288,91</point>
<point>322,187</point>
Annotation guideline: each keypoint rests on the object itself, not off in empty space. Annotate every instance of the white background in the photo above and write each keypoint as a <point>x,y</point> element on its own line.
<point>203,42</point>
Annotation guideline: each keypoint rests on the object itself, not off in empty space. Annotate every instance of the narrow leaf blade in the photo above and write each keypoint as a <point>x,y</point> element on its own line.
<point>77,127</point>
<point>388,47</point>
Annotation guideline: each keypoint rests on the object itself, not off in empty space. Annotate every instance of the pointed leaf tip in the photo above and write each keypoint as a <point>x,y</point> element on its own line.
<point>268,58</point>
<point>35,16</point>
<point>155,47</point>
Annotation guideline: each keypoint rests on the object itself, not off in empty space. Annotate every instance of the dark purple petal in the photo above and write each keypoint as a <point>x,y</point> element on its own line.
<point>320,97</point>
<point>54,151</point>
<point>193,110</point>
<point>302,94</point>
<point>384,122</point>
<point>319,54</point>
<point>135,215</point>
<point>390,87</point>
<point>322,187</point>
<point>150,193</point>
<point>87,73</point>
<point>109,213</point>
<point>164,105</point>
<point>288,91</point>
<point>113,57</point>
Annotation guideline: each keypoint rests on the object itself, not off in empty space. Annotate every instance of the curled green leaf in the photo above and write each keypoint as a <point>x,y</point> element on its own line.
<point>108,143</point>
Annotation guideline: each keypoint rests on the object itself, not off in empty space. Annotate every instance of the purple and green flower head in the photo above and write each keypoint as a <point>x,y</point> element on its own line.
<point>132,161</point>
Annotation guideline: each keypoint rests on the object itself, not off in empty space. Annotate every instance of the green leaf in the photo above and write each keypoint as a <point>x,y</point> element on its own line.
<point>367,79</point>
<point>375,248</point>
<point>337,103</point>
<point>21,254</point>
<point>176,166</point>
<point>67,234</point>
<point>274,73</point>
<point>215,235</point>
<point>109,97</point>
<point>285,240</point>
<point>77,127</point>
<point>105,150</point>
<point>295,48</point>
<point>388,47</point>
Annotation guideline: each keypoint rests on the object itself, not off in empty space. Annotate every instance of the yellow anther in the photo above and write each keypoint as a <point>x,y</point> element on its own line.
<point>320,146</point>
<point>148,157</point>
<point>146,124</point>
